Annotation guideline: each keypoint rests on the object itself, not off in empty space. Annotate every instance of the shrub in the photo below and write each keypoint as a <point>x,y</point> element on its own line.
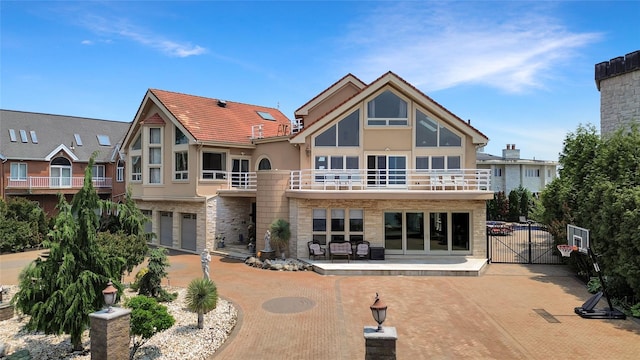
<point>147,319</point>
<point>150,283</point>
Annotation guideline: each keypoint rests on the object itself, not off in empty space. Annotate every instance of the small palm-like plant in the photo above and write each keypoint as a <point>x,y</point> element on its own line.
<point>280,234</point>
<point>202,297</point>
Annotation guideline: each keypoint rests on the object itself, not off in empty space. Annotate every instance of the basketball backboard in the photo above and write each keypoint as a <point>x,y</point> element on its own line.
<point>578,237</point>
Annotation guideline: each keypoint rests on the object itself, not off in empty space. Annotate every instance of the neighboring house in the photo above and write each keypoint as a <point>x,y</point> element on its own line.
<point>43,155</point>
<point>509,171</point>
<point>380,162</point>
<point>618,81</point>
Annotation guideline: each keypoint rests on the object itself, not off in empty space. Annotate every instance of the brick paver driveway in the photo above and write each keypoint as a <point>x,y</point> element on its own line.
<point>510,312</point>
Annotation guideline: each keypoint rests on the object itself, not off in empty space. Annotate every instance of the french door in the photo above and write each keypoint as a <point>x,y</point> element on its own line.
<point>60,176</point>
<point>386,170</point>
<point>404,232</point>
<point>239,173</point>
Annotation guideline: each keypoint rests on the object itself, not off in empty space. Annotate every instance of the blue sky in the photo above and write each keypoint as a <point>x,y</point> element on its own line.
<point>523,72</point>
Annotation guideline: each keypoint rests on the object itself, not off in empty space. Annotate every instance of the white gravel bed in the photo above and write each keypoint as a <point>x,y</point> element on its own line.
<point>182,341</point>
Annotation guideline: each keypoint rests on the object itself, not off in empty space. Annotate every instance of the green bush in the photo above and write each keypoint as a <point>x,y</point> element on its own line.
<point>147,319</point>
<point>635,310</point>
<point>150,283</point>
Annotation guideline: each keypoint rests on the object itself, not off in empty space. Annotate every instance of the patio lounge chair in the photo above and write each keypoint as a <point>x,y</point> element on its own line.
<point>362,250</point>
<point>315,250</point>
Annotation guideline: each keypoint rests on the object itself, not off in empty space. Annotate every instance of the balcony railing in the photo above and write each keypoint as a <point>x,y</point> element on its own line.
<point>235,180</point>
<point>46,182</point>
<point>392,179</point>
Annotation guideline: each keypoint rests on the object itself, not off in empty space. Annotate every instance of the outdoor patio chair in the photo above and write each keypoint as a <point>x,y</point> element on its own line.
<point>315,250</point>
<point>362,250</point>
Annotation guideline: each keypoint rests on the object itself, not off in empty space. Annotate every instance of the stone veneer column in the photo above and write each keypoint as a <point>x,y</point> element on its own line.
<point>110,334</point>
<point>380,345</point>
<point>271,202</point>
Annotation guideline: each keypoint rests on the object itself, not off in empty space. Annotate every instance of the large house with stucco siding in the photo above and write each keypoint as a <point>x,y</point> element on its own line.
<point>380,162</point>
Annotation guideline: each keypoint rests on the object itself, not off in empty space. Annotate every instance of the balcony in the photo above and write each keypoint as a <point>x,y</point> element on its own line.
<point>233,180</point>
<point>46,182</point>
<point>458,180</point>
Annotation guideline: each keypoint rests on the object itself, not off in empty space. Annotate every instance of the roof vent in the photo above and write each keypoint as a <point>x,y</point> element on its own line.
<point>222,103</point>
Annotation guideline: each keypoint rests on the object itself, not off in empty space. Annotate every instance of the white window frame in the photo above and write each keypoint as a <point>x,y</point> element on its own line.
<point>18,166</point>
<point>155,167</point>
<point>136,176</point>
<point>120,173</point>
<point>179,175</point>
<point>373,122</point>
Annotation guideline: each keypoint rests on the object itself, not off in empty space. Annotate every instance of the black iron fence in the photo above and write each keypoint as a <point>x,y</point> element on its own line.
<point>517,243</point>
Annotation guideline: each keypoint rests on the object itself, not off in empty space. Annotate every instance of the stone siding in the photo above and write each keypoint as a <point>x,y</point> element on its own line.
<point>302,214</point>
<point>177,208</point>
<point>110,334</point>
<point>619,83</point>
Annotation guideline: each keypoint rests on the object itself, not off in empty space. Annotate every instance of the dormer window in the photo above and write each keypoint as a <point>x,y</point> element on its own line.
<point>387,109</point>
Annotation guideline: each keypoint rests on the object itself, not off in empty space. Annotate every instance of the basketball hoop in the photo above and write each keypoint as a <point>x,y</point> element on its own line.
<point>565,250</point>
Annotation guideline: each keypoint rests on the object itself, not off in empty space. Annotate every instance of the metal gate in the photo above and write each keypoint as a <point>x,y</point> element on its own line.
<point>521,244</point>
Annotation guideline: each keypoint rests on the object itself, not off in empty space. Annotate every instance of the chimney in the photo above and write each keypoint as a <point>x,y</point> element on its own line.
<point>511,153</point>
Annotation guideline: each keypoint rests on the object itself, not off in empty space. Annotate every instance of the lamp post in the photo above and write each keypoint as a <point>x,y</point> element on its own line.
<point>379,312</point>
<point>109,294</point>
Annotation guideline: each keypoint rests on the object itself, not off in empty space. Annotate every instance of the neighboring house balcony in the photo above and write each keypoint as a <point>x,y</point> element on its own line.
<point>404,183</point>
<point>43,184</point>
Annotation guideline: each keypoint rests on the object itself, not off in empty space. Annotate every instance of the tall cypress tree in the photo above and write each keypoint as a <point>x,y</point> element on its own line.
<point>60,291</point>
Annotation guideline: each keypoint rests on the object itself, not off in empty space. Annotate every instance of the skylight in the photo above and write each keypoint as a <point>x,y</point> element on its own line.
<point>78,139</point>
<point>34,138</point>
<point>265,115</point>
<point>23,136</point>
<point>104,140</point>
<point>12,135</point>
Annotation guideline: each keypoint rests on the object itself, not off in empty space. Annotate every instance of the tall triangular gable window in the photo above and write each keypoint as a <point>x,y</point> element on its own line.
<point>431,133</point>
<point>345,133</point>
<point>387,109</point>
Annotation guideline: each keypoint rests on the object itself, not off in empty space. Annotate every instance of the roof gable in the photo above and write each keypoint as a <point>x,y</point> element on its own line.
<point>399,84</point>
<point>63,148</point>
<point>348,79</point>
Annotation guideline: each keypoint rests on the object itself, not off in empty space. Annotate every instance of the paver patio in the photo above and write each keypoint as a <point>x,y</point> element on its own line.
<point>510,312</point>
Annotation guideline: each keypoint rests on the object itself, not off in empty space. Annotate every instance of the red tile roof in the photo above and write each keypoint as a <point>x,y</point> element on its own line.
<point>154,119</point>
<point>207,121</point>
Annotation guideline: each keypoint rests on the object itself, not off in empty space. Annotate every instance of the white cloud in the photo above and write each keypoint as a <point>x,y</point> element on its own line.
<point>86,42</point>
<point>120,27</point>
<point>442,45</point>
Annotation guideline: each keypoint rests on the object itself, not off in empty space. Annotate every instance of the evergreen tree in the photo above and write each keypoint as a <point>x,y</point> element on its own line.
<point>151,282</point>
<point>60,292</point>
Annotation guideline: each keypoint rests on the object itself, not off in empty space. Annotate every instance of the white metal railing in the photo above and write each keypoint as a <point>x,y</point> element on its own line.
<point>47,182</point>
<point>234,180</point>
<point>391,179</point>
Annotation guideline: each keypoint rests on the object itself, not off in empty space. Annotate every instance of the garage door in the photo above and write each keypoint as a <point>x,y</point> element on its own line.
<point>166,228</point>
<point>188,232</point>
